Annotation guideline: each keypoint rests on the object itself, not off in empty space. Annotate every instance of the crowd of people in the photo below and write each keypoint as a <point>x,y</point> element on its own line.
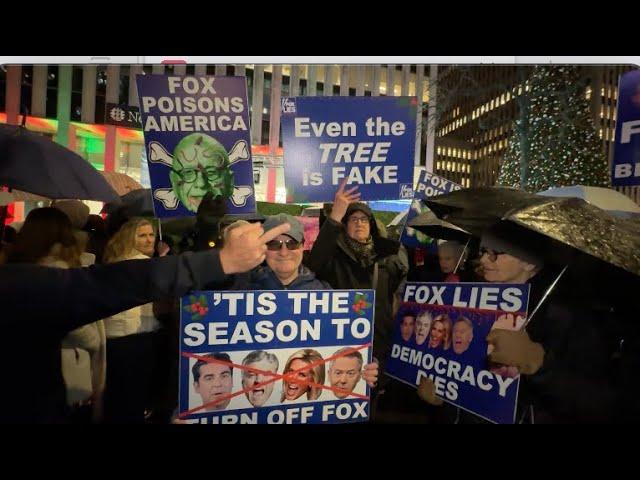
<point>103,339</point>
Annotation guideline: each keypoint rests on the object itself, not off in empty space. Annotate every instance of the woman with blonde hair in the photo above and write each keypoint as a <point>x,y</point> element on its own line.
<point>297,384</point>
<point>440,335</point>
<point>130,334</point>
<point>47,238</point>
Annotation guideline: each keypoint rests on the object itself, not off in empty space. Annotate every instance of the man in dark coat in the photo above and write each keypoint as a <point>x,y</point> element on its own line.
<point>41,305</point>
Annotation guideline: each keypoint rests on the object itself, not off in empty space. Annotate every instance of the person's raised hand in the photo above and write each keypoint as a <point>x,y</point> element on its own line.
<point>163,249</point>
<point>342,200</point>
<point>245,247</point>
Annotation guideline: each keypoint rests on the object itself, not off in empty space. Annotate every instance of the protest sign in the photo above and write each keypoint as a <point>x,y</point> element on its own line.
<point>197,139</point>
<point>440,333</point>
<point>370,141</point>
<point>275,357</point>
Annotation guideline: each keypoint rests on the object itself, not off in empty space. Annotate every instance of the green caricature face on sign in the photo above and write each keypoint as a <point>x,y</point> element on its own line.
<point>200,165</point>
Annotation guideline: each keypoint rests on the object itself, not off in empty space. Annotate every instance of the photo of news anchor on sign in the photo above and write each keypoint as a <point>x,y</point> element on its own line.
<point>345,372</point>
<point>213,381</point>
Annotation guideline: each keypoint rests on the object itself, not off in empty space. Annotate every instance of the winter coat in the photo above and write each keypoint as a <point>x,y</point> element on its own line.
<point>135,320</point>
<point>41,305</point>
<point>576,383</point>
<point>334,261</point>
<point>84,355</point>
<point>579,379</point>
<point>263,278</point>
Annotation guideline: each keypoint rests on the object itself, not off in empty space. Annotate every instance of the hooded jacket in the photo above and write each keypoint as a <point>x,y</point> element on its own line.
<point>335,262</point>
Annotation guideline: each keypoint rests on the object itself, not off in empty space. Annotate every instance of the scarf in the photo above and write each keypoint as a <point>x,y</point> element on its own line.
<point>364,252</point>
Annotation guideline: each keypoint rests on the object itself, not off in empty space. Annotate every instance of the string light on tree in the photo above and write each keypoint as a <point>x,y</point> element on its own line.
<point>554,142</point>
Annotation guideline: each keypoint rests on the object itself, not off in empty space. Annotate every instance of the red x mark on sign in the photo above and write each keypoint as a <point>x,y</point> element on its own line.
<point>274,377</point>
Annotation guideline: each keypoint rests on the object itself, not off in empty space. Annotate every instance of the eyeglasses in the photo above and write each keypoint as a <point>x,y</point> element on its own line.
<point>275,245</point>
<point>492,255</point>
<point>358,219</point>
<point>189,175</point>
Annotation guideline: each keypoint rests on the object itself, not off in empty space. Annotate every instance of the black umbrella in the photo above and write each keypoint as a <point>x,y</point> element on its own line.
<point>35,164</point>
<point>570,222</point>
<point>137,203</point>
<point>427,222</point>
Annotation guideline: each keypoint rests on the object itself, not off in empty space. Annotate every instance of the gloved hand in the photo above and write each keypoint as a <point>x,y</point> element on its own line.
<point>515,348</point>
<point>427,392</point>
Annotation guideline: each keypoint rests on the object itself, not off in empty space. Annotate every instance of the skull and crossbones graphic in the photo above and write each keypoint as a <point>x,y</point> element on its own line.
<point>199,165</point>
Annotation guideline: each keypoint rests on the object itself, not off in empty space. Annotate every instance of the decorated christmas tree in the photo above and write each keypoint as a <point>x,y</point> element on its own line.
<point>554,141</point>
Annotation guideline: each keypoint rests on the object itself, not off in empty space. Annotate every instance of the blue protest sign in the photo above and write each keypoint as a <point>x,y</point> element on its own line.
<point>197,138</point>
<point>429,185</point>
<point>440,333</point>
<point>625,168</point>
<point>368,140</point>
<point>275,357</point>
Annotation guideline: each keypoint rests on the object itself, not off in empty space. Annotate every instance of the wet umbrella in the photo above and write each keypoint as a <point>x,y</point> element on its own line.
<point>612,201</point>
<point>568,222</point>
<point>427,222</point>
<point>33,163</point>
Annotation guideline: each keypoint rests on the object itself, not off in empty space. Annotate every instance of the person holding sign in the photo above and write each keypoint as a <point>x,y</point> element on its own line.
<point>285,271</point>
<point>97,292</point>
<point>350,253</point>
<point>561,354</point>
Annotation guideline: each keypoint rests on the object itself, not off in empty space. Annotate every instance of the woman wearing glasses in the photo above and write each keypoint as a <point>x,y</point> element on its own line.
<point>351,253</point>
<point>562,354</point>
